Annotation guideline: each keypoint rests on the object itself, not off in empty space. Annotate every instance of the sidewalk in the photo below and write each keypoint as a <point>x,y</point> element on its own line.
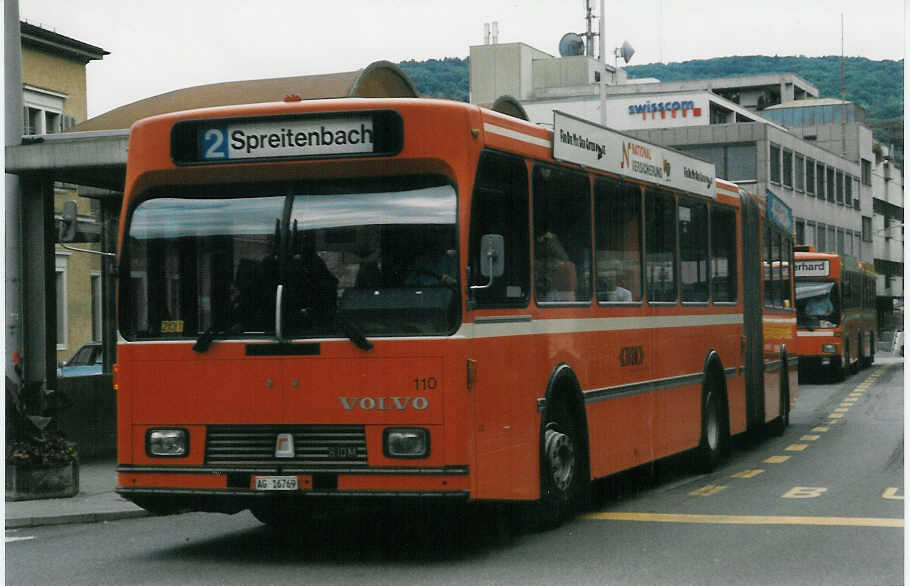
<point>95,502</point>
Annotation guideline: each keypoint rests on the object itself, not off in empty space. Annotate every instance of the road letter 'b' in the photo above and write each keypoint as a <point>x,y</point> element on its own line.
<point>804,492</point>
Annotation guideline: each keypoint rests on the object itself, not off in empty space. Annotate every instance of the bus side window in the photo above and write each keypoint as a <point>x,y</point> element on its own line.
<point>723,254</point>
<point>660,238</point>
<point>617,239</point>
<point>500,206</point>
<point>562,235</point>
<point>693,250</point>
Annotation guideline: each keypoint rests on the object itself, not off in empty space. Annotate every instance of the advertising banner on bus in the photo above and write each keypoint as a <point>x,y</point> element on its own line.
<point>584,143</point>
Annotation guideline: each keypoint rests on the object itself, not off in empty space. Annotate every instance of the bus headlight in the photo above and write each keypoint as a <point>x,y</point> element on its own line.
<point>167,443</point>
<point>829,348</point>
<point>411,442</point>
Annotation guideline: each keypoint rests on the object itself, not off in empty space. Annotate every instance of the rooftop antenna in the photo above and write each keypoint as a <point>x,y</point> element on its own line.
<point>589,34</point>
<point>843,92</point>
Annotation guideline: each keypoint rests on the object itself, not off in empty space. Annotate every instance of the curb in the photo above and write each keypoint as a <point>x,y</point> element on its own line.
<point>74,518</point>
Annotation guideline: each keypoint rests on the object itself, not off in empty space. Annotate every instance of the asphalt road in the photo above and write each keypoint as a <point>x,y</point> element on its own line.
<point>823,504</point>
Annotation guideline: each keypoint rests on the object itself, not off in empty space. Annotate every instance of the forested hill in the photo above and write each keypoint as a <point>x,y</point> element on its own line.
<point>877,85</point>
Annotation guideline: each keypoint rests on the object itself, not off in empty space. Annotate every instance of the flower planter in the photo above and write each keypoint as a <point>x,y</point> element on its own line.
<point>41,482</point>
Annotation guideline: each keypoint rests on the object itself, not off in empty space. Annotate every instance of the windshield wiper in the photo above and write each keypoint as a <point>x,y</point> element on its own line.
<point>353,332</point>
<point>205,340</point>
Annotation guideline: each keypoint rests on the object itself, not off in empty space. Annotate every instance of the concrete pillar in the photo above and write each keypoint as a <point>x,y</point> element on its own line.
<point>39,282</point>
<point>12,79</point>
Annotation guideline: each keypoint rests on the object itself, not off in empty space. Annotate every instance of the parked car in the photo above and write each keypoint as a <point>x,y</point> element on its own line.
<point>86,361</point>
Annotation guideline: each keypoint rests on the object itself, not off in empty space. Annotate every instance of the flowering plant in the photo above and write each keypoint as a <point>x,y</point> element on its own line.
<point>49,449</point>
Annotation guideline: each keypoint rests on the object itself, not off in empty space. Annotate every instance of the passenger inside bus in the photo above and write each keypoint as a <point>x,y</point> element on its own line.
<point>435,263</point>
<point>610,287</point>
<point>312,289</point>
<point>554,274</point>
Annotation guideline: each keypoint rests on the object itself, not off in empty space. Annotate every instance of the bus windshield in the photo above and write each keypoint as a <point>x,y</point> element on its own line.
<point>817,304</point>
<point>381,256</point>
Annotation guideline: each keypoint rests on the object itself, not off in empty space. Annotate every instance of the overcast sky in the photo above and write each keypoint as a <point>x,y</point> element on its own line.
<point>156,47</point>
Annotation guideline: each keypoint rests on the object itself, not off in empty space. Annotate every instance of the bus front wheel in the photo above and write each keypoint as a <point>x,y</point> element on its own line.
<point>560,467</point>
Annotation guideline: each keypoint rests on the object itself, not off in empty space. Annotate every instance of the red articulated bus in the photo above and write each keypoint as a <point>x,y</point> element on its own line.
<point>361,299</point>
<point>835,310</point>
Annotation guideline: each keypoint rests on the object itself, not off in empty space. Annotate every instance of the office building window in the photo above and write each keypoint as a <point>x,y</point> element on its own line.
<point>799,168</point>
<point>788,169</point>
<point>774,159</point>
<point>810,234</point>
<point>867,229</point>
<point>832,240</point>
<point>740,162</point>
<point>810,177</point>
<point>867,171</point>
<point>820,181</point>
<point>60,262</point>
<point>800,231</point>
<point>97,311</point>
<point>848,245</point>
<point>848,191</point>
<point>829,182</point>
<point>43,111</point>
<point>733,162</point>
<point>820,238</point>
<point>841,241</point>
<point>840,188</point>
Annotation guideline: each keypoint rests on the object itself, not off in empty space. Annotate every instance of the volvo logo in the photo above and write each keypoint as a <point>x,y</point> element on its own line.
<point>284,446</point>
<point>384,403</point>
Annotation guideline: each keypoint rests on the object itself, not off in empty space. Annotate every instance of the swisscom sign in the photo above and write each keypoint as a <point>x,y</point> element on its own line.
<point>581,142</point>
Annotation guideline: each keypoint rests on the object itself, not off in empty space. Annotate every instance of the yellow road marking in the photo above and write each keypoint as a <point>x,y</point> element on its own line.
<point>804,492</point>
<point>796,447</point>
<point>841,410</point>
<point>809,438</point>
<point>777,459</point>
<point>891,493</point>
<point>820,429</point>
<point>709,490</point>
<point>748,473</point>
<point>836,415</point>
<point>748,519</point>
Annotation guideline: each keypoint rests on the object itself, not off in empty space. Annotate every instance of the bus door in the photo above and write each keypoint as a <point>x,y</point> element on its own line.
<point>500,354</point>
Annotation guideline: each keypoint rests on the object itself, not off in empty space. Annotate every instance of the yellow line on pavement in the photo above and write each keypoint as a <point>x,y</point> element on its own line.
<point>748,519</point>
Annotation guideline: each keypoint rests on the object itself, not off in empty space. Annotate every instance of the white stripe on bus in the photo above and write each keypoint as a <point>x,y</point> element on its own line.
<point>488,328</point>
<point>515,135</point>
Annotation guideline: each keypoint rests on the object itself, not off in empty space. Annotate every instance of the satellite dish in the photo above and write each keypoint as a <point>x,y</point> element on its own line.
<point>626,51</point>
<point>571,45</point>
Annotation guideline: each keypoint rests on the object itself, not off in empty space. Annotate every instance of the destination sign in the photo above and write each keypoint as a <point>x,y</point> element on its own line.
<point>812,268</point>
<point>287,137</point>
<point>584,143</point>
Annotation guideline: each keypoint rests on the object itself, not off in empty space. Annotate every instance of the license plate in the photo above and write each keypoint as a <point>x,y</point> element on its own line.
<point>275,483</point>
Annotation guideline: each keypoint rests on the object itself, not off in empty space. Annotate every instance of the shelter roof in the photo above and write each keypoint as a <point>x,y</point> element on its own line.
<point>381,79</point>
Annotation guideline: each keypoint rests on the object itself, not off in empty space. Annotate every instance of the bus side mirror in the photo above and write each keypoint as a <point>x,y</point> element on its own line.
<point>492,258</point>
<point>68,223</point>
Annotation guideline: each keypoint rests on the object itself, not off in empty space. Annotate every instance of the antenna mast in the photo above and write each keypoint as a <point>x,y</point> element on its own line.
<point>843,92</point>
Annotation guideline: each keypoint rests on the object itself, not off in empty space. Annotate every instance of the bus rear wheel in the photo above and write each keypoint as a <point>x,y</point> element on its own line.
<point>561,477</point>
<point>710,448</point>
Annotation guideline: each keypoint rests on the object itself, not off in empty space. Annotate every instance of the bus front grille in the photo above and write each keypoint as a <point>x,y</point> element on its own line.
<point>314,445</point>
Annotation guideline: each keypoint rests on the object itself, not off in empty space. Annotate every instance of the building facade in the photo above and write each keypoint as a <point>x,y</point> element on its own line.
<point>767,132</point>
<point>54,100</point>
